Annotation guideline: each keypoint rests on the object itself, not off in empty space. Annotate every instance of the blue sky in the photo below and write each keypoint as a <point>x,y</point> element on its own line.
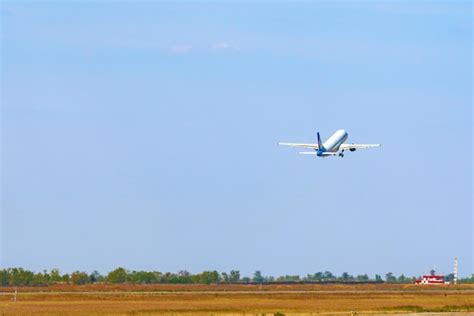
<point>144,136</point>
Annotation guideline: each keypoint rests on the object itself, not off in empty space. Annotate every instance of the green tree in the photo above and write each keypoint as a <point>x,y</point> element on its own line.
<point>184,277</point>
<point>95,277</point>
<point>449,277</point>
<point>4,277</point>
<point>328,276</point>
<point>389,277</point>
<point>402,278</point>
<point>142,277</point>
<point>346,276</point>
<point>55,276</point>
<point>378,278</point>
<point>40,278</point>
<point>318,276</point>
<point>79,278</point>
<point>467,280</point>
<point>20,276</point>
<point>209,277</point>
<point>225,277</point>
<point>66,278</point>
<point>258,277</point>
<point>167,277</point>
<point>118,275</point>
<point>234,276</point>
<point>289,278</point>
<point>246,280</point>
<point>363,277</point>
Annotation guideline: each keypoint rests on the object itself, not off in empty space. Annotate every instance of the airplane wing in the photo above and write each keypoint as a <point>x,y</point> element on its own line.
<point>300,145</point>
<point>357,146</point>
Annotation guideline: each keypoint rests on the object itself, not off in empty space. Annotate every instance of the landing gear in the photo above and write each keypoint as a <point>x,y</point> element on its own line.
<point>341,154</point>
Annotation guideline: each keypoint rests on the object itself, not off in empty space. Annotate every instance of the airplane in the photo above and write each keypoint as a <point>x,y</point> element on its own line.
<point>333,146</point>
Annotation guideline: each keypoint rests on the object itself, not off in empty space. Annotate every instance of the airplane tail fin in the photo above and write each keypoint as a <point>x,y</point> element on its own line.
<point>320,143</point>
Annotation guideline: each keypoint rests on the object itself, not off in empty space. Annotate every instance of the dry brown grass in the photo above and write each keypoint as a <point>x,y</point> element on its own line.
<point>234,299</point>
<point>236,287</point>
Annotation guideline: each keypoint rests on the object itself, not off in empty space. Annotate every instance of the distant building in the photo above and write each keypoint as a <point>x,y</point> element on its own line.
<point>431,279</point>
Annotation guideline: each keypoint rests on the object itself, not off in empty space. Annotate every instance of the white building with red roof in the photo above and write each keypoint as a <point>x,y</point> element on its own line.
<point>431,279</point>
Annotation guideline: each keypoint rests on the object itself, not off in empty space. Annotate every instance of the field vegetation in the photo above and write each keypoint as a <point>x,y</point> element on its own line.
<point>123,292</point>
<point>234,299</point>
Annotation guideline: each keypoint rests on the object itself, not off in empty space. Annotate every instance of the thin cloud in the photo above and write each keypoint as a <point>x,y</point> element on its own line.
<point>181,49</point>
<point>224,45</point>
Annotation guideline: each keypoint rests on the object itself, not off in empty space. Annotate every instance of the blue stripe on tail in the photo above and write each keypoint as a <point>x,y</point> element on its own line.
<point>320,143</point>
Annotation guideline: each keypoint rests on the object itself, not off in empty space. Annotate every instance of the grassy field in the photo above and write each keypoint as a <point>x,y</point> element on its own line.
<point>295,299</point>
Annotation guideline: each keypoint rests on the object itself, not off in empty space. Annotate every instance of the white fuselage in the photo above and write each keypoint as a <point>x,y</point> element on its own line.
<point>333,146</point>
<point>333,143</point>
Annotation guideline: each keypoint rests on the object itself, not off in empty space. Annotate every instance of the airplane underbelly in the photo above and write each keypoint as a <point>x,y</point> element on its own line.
<point>334,144</point>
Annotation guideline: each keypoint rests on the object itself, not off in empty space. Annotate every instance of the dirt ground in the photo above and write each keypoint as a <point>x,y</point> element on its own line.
<point>298,299</point>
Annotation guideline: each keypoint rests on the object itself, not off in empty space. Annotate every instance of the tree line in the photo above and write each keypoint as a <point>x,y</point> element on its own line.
<point>23,277</point>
